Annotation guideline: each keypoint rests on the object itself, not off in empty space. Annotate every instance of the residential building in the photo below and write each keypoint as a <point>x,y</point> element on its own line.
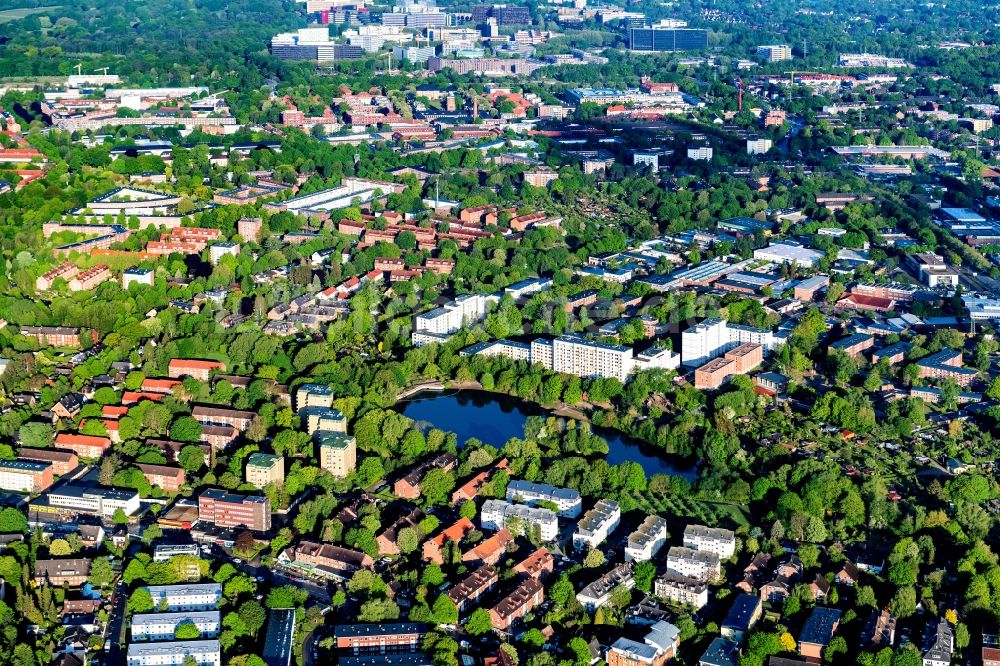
<point>379,639</point>
<point>470,489</point>
<point>166,477</point>
<point>946,364</point>
<point>54,336</point>
<point>326,559</point>
<point>567,500</point>
<point>742,616</point>
<point>758,145</point>
<point>437,324</point>
<point>525,597</point>
<point>322,418</point>
<point>25,476</point>
<point>880,630</point>
<point>698,564</point>
<point>90,278</point>
<point>221,416</point>
<point>186,597</point>
<point>738,361</point>
<point>472,587</point>
<point>219,250</point>
<point>721,652</point>
<point>714,337</point>
<point>537,565</point>
<point>807,289</point>
<point>249,228</point>
<point>313,395</point>
<point>681,590</point>
<point>224,509</point>
<point>142,276</point>
<point>939,643</point>
<point>647,539</point>
<point>658,646</point>
<point>434,548</point>
<point>56,573</point>
<point>817,632</point>
<point>191,367</point>
<point>62,462</point>
<point>387,538</point>
<point>408,486</point>
<point>598,593</point>
<point>497,514</point>
<point>597,524</point>
<point>85,446</point>
<point>716,540</point>
<point>176,653</point>
<point>163,626</point>
<point>338,452</point>
<point>490,550</point>
<point>574,355</point>
<point>775,52</point>
<point>265,468</point>
<point>65,271</point>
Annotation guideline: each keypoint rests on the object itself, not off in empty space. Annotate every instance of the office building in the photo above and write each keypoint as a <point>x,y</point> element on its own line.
<point>697,564</point>
<point>782,253</point>
<point>164,552</point>
<point>163,626</point>
<point>25,476</point>
<point>498,514</point>
<point>667,39</point>
<point>265,468</point>
<point>306,44</point>
<point>103,502</point>
<point>597,524</point>
<point>711,539</point>
<point>775,52</point>
<point>501,14</point>
<point>223,509</point>
<point>646,540</point>
<point>176,653</point>
<point>568,502</point>
<point>186,597</point>
<point>439,323</point>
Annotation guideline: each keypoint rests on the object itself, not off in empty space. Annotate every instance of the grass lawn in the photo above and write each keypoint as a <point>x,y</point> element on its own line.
<point>707,512</point>
<point>8,15</point>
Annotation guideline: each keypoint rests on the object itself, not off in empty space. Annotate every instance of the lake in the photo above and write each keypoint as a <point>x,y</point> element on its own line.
<point>494,419</point>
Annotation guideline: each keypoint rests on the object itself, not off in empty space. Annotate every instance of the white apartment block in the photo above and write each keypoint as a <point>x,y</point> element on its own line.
<point>206,653</point>
<point>681,590</point>
<point>497,514</point>
<point>759,146</point>
<point>646,540</point>
<point>165,552</point>
<point>775,52</point>
<point>597,524</point>
<point>437,324</point>
<point>714,337</point>
<point>193,597</point>
<point>701,153</point>
<point>711,539</point>
<point>574,355</point>
<point>567,500</point>
<point>599,592</point>
<point>163,626</point>
<point>697,564</point>
<point>516,351</point>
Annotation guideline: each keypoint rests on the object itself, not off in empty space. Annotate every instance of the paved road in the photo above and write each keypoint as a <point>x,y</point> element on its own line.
<point>114,641</point>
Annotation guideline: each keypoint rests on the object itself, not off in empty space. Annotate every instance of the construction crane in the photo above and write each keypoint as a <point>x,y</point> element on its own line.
<point>739,94</point>
<point>79,68</point>
<point>103,70</point>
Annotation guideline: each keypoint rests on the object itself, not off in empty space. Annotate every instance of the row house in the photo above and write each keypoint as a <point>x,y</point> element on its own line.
<point>472,587</point>
<point>525,597</point>
<point>166,477</point>
<point>90,278</point>
<point>221,416</point>
<point>539,564</point>
<point>434,548</point>
<point>408,487</point>
<point>57,573</point>
<point>65,271</point>
<point>386,539</point>
<point>491,549</point>
<point>85,446</point>
<point>471,488</point>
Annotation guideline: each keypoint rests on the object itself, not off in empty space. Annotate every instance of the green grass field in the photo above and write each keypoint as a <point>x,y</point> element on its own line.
<point>8,15</point>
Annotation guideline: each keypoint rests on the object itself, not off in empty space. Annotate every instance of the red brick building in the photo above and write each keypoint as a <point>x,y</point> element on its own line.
<point>517,604</point>
<point>168,478</point>
<point>217,507</point>
<point>62,462</point>
<point>85,446</point>
<point>191,367</point>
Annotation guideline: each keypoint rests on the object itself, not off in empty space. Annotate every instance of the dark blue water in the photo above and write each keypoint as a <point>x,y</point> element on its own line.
<point>495,419</point>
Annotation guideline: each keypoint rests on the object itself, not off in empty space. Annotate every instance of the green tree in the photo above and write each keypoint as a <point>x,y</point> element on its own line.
<point>479,622</point>
<point>185,429</point>
<point>187,631</point>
